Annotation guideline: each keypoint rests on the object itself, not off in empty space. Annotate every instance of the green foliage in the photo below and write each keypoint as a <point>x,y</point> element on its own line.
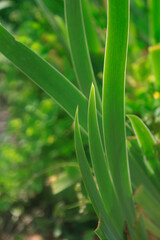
<point>37,149</point>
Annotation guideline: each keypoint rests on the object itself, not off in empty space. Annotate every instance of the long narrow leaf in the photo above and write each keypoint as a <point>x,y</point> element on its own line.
<point>147,143</point>
<point>113,100</point>
<point>107,226</point>
<point>144,136</point>
<point>94,44</point>
<point>152,228</point>
<point>38,70</point>
<point>149,204</point>
<point>139,179</point>
<point>79,48</point>
<point>137,170</point>
<point>113,107</point>
<point>100,166</point>
<point>113,94</point>
<point>45,76</point>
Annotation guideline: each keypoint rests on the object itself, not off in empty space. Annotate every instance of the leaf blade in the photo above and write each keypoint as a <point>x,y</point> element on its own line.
<point>79,48</point>
<point>114,109</point>
<point>94,44</point>
<point>92,190</point>
<point>45,76</point>
<point>147,143</point>
<point>100,166</point>
<point>149,204</point>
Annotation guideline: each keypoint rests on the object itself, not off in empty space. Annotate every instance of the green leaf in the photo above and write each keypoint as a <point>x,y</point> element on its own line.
<point>137,169</point>
<point>45,76</point>
<point>79,48</point>
<point>147,143</point>
<point>113,102</point>
<point>150,205</point>
<point>94,44</point>
<point>145,138</point>
<point>139,179</point>
<point>113,95</point>
<point>107,227</point>
<point>152,228</point>
<point>114,109</point>
<point>100,166</point>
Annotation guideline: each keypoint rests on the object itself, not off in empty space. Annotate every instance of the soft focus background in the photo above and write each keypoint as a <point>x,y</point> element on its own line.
<point>41,193</point>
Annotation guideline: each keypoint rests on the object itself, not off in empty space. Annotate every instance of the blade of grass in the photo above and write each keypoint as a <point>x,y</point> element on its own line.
<point>107,226</point>
<point>45,76</point>
<point>94,44</point>
<point>137,169</point>
<point>113,94</point>
<point>147,143</point>
<point>102,172</point>
<point>144,136</point>
<point>149,204</point>
<point>79,48</point>
<point>113,108</point>
<point>152,228</point>
<point>37,69</point>
<point>139,178</point>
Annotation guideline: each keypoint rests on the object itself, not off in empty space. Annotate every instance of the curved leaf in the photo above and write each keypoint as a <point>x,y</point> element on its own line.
<point>114,108</point>
<point>45,76</point>
<point>94,44</point>
<point>108,230</point>
<point>113,95</point>
<point>137,169</point>
<point>79,48</point>
<point>149,204</point>
<point>101,168</point>
<point>147,143</point>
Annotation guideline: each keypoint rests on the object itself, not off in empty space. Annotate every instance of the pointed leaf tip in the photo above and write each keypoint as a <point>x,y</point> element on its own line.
<point>92,94</point>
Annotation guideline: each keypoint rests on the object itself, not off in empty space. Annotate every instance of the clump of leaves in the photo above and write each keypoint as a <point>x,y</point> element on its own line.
<point>121,214</point>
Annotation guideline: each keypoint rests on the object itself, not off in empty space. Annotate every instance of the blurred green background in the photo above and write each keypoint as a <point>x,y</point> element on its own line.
<point>41,193</point>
